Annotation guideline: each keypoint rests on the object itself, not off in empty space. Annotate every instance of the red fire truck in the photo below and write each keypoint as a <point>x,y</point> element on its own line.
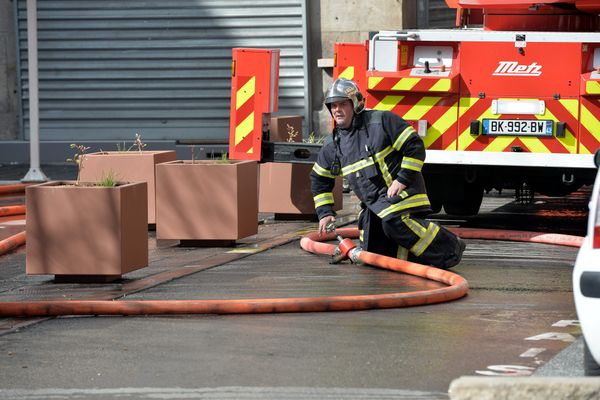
<point>509,99</point>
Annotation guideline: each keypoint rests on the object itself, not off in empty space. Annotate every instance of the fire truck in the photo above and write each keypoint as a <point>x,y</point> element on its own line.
<point>508,99</point>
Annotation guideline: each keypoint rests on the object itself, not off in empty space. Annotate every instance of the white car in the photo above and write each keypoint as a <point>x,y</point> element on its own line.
<point>586,282</point>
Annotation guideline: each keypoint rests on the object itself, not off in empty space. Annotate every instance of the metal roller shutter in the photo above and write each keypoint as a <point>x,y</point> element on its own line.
<point>435,14</point>
<point>440,15</point>
<point>108,69</point>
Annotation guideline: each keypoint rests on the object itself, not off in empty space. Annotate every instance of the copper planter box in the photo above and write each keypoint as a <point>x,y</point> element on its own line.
<point>206,200</point>
<point>79,231</point>
<point>285,189</point>
<point>128,166</point>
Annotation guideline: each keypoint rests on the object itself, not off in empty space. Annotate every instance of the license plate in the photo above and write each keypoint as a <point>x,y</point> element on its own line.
<point>524,127</point>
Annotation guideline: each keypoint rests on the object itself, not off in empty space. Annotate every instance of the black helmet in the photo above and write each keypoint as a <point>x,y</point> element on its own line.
<point>345,89</point>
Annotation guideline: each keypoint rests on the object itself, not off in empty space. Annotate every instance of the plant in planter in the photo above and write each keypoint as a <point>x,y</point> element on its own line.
<point>133,164</point>
<point>86,231</point>
<point>78,158</point>
<point>211,201</point>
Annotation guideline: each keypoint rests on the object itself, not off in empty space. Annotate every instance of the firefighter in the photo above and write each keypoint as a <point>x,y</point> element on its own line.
<point>381,156</point>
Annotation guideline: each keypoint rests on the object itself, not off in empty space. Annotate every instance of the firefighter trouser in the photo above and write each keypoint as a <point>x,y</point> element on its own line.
<point>409,238</point>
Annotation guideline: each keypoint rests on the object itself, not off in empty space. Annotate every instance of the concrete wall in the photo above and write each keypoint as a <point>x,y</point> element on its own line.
<point>334,21</point>
<point>8,73</point>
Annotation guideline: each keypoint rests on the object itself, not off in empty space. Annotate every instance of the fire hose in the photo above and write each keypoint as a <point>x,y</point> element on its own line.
<point>14,188</point>
<point>12,242</point>
<point>457,286</point>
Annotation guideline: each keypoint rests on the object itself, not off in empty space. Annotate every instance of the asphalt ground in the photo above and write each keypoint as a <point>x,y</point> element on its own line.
<point>518,291</point>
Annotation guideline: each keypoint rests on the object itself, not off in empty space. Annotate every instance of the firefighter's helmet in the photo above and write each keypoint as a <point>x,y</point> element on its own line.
<point>345,89</point>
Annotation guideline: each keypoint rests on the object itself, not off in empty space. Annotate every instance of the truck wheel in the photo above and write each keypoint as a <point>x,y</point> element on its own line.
<point>465,199</point>
<point>590,366</point>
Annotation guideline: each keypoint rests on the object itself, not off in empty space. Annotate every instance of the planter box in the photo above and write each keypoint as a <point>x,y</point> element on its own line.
<point>285,189</point>
<point>206,200</point>
<point>78,232</point>
<point>279,128</point>
<point>128,166</point>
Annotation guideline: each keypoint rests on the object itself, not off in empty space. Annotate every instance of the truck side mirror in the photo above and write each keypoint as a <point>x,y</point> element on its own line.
<point>597,158</point>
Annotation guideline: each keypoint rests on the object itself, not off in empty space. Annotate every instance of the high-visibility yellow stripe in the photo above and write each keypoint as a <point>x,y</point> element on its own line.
<point>465,138</point>
<point>322,171</point>
<point>402,253</point>
<point>464,103</point>
<point>245,92</point>
<point>443,85</point>
<point>425,241</point>
<point>413,164</point>
<point>590,122</point>
<point>406,83</point>
<point>417,200</point>
<point>499,143</point>
<point>388,103</point>
<point>569,141</point>
<point>380,159</point>
<point>323,199</point>
<point>421,108</point>
<point>244,128</point>
<point>534,144</point>
<point>572,106</point>
<point>348,73</point>
<point>374,81</point>
<point>439,127</point>
<point>414,226</point>
<point>409,130</point>
<point>357,166</point>
<point>592,87</point>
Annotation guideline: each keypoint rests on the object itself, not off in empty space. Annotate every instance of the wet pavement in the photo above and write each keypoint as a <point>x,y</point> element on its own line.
<point>516,320</point>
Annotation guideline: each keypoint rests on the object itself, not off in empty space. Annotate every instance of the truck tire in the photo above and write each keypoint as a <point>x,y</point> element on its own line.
<point>590,366</point>
<point>464,200</point>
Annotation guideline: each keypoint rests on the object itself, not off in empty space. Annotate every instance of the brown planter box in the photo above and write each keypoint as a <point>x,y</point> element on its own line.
<point>128,166</point>
<point>279,131</point>
<point>285,189</point>
<point>206,200</point>
<point>86,231</point>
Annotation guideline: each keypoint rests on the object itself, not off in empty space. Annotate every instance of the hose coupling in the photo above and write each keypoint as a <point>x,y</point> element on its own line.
<point>342,251</point>
<point>354,255</point>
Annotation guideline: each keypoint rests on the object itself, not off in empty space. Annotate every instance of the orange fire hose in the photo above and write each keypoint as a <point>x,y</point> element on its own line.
<point>12,242</point>
<point>15,188</point>
<point>12,210</point>
<point>518,236</point>
<point>457,287</point>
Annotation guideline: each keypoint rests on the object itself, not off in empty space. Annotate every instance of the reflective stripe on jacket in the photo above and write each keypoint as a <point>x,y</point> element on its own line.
<point>377,148</point>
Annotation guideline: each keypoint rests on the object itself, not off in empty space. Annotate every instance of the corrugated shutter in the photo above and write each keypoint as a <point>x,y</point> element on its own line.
<point>109,69</point>
<point>440,15</point>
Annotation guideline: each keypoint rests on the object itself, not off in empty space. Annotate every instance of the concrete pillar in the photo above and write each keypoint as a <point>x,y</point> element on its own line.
<point>347,21</point>
<point>8,73</point>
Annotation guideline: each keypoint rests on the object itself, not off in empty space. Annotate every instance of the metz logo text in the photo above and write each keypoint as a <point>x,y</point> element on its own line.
<point>513,68</point>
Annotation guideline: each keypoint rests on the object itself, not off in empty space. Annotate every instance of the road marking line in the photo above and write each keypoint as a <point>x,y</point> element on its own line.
<point>564,337</point>
<point>563,323</point>
<point>534,351</point>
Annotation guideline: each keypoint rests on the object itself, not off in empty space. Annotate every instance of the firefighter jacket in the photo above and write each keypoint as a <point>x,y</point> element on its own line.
<point>377,148</point>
